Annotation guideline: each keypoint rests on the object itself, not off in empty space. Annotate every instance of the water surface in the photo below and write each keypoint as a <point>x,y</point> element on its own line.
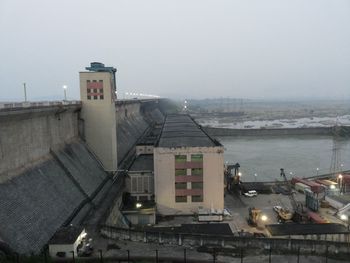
<point>299,155</point>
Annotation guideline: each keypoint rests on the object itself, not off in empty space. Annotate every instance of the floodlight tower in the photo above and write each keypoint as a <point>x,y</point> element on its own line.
<point>336,155</point>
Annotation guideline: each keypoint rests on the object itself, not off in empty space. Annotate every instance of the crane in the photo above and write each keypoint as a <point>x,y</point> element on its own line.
<point>297,206</point>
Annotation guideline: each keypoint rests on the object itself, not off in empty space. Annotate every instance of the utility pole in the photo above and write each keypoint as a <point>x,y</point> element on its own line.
<point>25,92</point>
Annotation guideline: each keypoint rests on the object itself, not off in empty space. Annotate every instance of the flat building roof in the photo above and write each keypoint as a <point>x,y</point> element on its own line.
<point>180,130</point>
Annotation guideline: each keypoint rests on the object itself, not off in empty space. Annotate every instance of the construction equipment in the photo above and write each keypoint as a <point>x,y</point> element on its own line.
<point>283,214</point>
<point>254,214</point>
<point>232,177</point>
<point>298,210</point>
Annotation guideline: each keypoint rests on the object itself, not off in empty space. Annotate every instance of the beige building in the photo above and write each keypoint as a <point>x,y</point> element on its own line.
<point>188,168</point>
<point>98,95</point>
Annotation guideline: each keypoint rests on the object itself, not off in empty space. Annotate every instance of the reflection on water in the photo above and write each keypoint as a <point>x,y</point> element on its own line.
<point>299,155</point>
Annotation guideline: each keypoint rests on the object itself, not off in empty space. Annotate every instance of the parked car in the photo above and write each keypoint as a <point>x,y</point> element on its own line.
<point>251,193</point>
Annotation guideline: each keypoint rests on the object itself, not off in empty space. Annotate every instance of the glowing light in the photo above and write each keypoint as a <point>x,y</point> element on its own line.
<point>343,217</point>
<point>138,205</point>
<point>263,217</point>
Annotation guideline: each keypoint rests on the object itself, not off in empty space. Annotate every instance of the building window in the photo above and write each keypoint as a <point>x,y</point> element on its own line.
<point>101,97</point>
<point>95,97</point>
<point>88,81</point>
<point>196,157</point>
<point>180,185</point>
<point>89,97</point>
<point>197,185</point>
<point>101,91</point>
<point>94,80</point>
<point>179,172</point>
<point>197,198</point>
<point>88,90</point>
<point>100,80</point>
<point>95,90</point>
<point>180,158</point>
<point>181,199</point>
<point>197,171</point>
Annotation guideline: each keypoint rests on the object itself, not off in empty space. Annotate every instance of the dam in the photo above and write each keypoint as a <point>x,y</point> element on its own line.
<point>91,163</point>
<point>49,177</point>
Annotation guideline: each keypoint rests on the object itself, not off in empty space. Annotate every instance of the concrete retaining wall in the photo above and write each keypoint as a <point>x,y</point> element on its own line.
<point>306,246</point>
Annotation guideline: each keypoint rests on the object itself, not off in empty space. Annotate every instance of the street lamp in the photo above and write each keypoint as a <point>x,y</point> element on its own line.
<point>138,205</point>
<point>255,175</point>
<point>65,91</point>
<point>340,182</point>
<point>263,218</point>
<point>317,170</point>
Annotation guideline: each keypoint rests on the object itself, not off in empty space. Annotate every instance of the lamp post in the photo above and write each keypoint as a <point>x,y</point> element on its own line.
<point>255,175</point>
<point>25,91</point>
<point>317,170</point>
<point>65,91</point>
<point>340,182</point>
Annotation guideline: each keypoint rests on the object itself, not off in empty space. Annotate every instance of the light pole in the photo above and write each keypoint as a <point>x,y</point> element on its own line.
<point>25,92</point>
<point>317,170</point>
<point>340,182</point>
<point>255,175</point>
<point>65,91</point>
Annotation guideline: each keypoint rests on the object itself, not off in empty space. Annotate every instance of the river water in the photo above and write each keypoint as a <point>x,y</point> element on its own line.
<point>299,155</point>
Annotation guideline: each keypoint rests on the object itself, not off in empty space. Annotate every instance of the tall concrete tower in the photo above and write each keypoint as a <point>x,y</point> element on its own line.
<point>98,95</point>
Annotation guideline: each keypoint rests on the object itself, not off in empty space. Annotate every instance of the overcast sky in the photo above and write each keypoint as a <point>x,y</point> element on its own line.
<point>181,49</point>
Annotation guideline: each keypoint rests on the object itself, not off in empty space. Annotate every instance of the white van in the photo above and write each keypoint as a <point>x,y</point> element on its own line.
<point>251,193</point>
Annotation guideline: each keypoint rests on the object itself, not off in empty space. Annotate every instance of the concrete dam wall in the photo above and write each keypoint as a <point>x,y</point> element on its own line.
<point>134,119</point>
<point>27,135</point>
<point>48,177</point>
